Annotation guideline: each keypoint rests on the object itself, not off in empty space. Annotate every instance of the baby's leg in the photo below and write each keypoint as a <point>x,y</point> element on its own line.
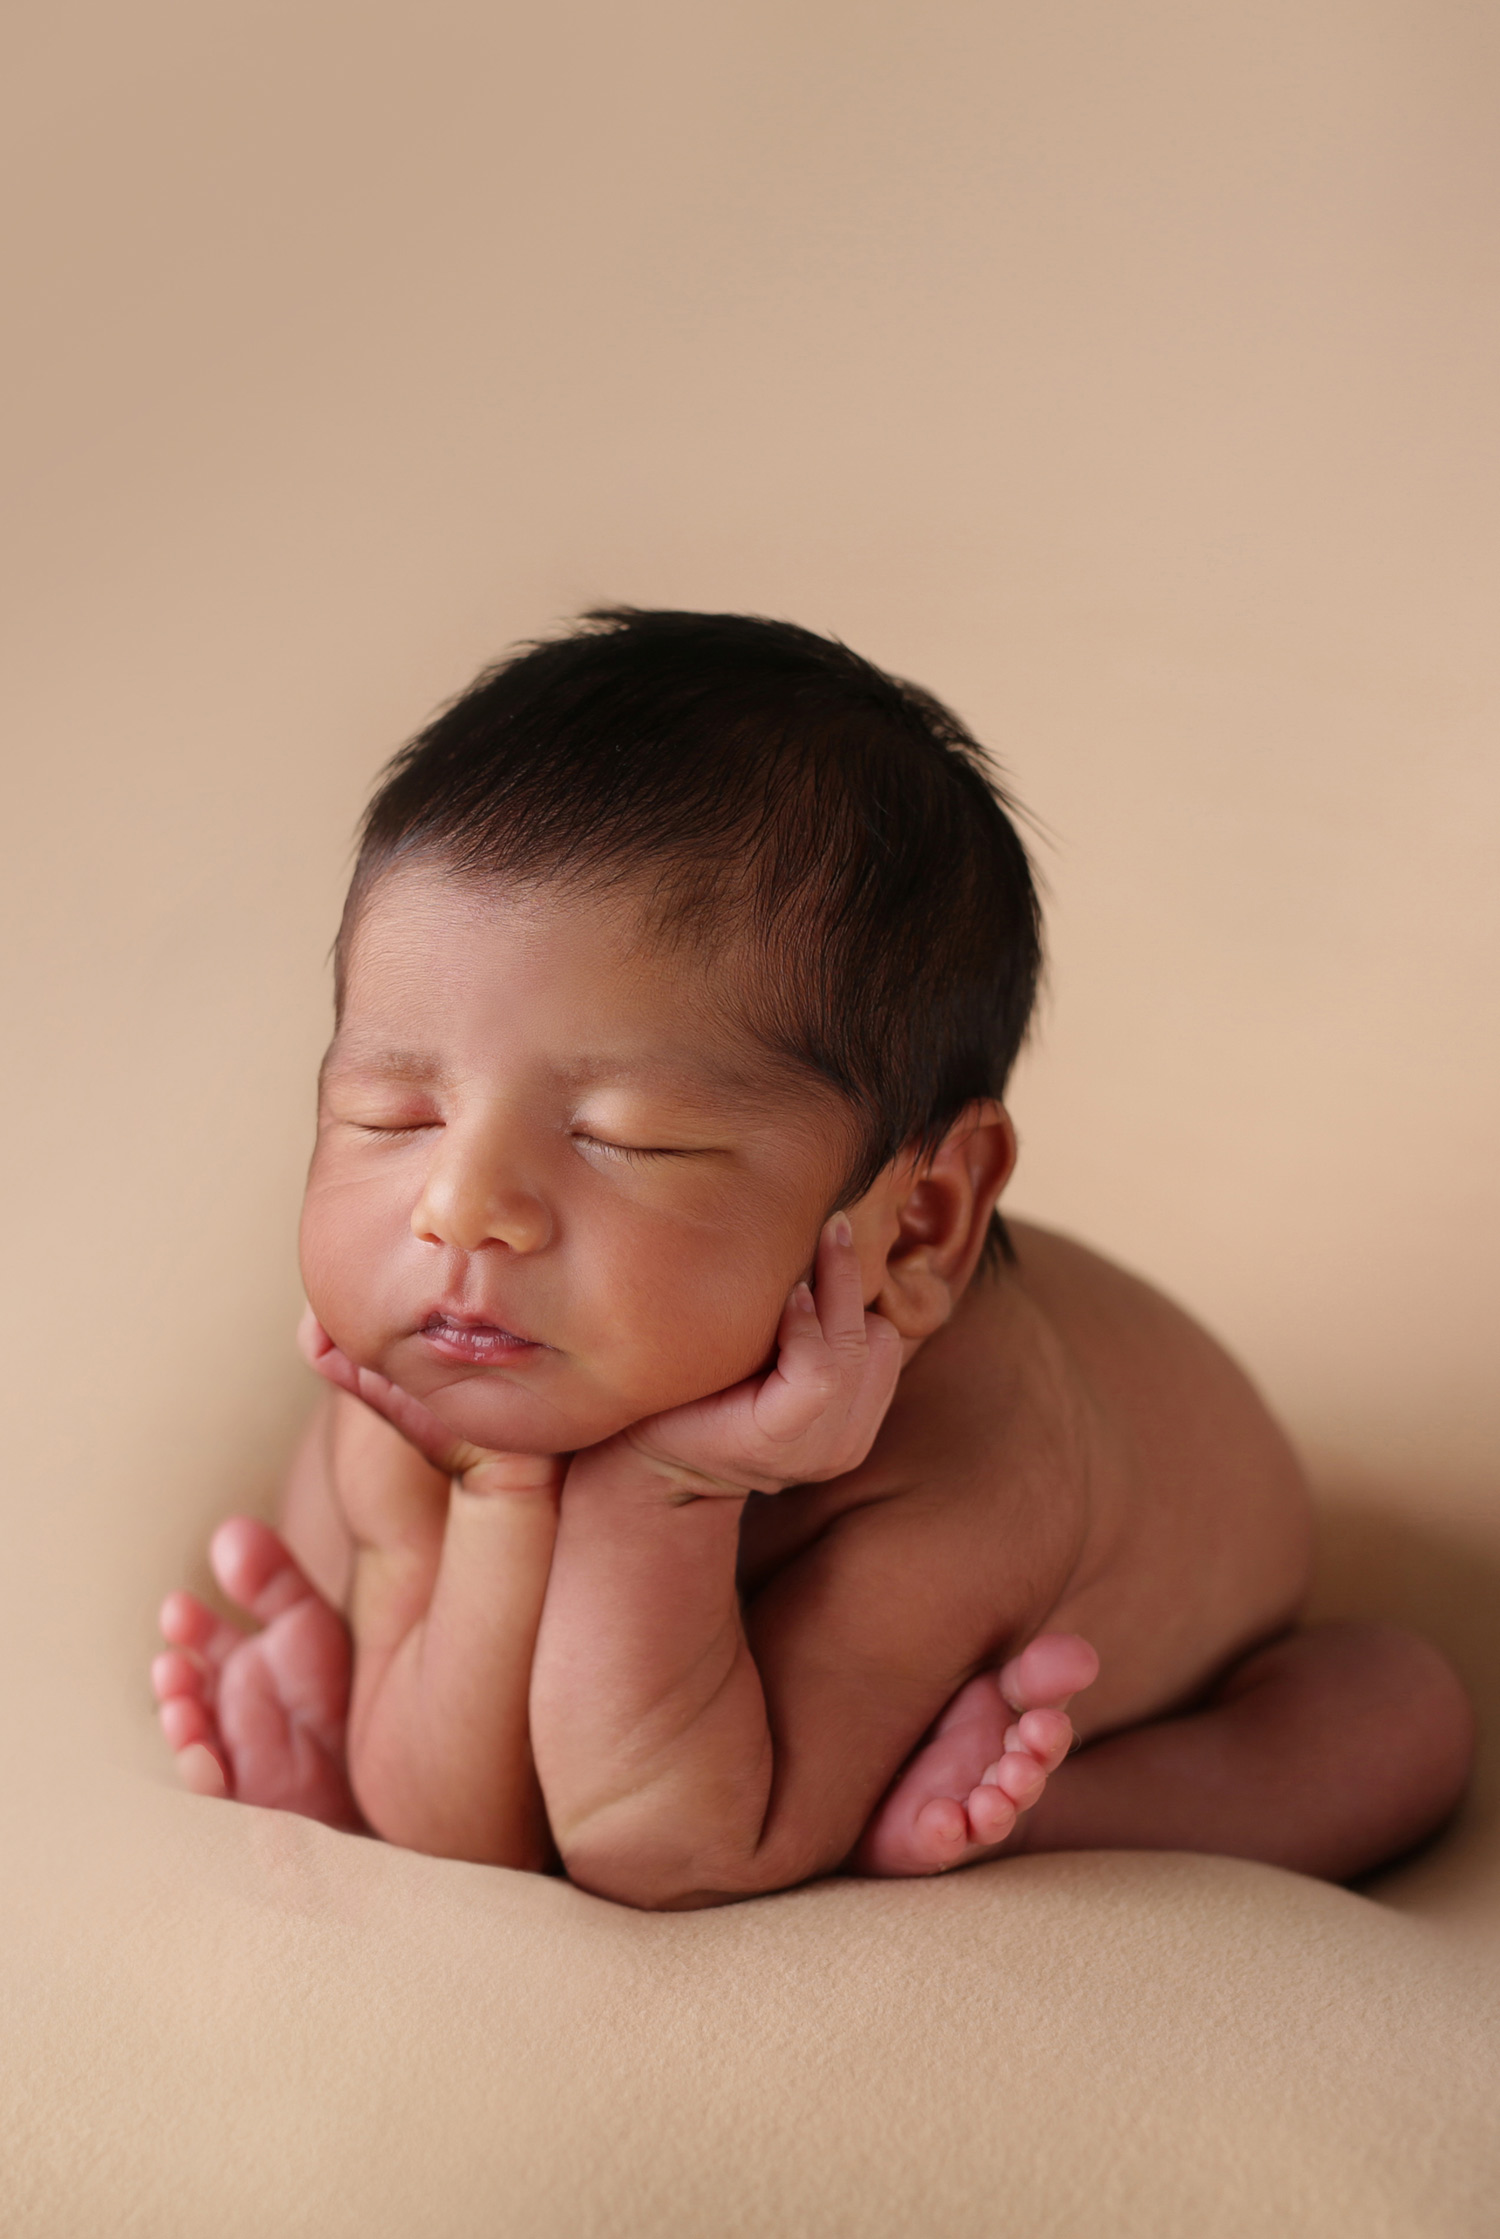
<point>986,1761</point>
<point>1328,1752</point>
<point>258,1716</point>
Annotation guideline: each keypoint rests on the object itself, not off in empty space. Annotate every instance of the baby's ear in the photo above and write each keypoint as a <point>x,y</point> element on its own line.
<point>940,1207</point>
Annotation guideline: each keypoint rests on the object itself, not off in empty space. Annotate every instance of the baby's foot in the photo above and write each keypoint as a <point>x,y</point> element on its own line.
<point>260,1716</point>
<point>982,1765</point>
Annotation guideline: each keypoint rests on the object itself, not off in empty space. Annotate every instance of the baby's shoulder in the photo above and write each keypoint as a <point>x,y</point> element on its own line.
<point>1150,1370</point>
<point>1064,1380</point>
<point>995,1395</point>
<point>989,1442</point>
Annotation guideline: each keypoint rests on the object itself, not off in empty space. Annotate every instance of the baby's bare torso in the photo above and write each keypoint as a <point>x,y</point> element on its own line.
<point>1073,1453</point>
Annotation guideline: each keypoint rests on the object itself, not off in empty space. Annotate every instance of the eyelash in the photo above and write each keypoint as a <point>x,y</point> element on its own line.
<point>631,1152</point>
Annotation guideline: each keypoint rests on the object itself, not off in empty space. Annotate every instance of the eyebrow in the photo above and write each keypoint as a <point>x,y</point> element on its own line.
<point>704,1077</point>
<point>701,1074</point>
<point>392,1065</point>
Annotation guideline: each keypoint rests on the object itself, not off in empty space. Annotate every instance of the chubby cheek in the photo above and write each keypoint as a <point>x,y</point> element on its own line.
<point>685,1317</point>
<point>351,1241</point>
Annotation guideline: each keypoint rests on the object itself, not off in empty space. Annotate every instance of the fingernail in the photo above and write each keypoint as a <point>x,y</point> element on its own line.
<point>802,1299</point>
<point>842,1232</point>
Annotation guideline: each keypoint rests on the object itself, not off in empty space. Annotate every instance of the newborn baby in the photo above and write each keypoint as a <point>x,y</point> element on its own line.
<point>713,1492</point>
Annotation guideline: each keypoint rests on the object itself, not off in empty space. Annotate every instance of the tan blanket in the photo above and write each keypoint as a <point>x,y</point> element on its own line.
<point>1126,373</point>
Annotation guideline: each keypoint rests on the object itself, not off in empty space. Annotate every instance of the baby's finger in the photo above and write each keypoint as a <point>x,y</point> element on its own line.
<point>416,1423</point>
<point>799,1316</point>
<point>807,1374</point>
<point>432,1438</point>
<point>814,1377</point>
<point>330,1361</point>
<point>840,1287</point>
<point>799,1336</point>
<point>313,1340</point>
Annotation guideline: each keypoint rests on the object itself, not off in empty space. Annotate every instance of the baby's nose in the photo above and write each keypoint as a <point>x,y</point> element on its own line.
<point>468,1201</point>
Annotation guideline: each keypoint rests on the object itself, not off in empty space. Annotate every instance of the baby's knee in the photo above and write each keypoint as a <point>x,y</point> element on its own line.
<point>1386,1719</point>
<point>1418,1708</point>
<point>1435,1706</point>
<point>1368,1677</point>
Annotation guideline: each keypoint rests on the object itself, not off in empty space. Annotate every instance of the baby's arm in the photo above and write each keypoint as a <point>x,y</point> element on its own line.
<point>444,1602</point>
<point>688,1758</point>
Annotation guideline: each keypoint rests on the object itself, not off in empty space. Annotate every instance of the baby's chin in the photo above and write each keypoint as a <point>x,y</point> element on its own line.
<point>492,1413</point>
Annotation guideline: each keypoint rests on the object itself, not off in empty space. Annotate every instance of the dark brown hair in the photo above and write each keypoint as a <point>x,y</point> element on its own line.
<point>765,785</point>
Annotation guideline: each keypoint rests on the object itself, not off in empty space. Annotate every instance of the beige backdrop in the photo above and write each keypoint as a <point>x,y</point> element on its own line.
<point>1125,373</point>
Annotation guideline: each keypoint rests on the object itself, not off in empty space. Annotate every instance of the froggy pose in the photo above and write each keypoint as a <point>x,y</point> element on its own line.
<point>712,1494</point>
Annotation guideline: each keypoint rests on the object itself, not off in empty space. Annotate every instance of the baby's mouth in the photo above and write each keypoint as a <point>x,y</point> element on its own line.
<point>464,1337</point>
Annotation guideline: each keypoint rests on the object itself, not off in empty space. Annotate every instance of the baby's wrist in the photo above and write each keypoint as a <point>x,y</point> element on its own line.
<point>630,1462</point>
<point>491,1476</point>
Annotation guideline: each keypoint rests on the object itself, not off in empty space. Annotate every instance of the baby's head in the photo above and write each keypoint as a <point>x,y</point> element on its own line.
<point>666,940</point>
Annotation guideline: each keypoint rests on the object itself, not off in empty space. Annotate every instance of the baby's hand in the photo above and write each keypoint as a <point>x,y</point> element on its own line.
<point>815,1415</point>
<point>476,1468</point>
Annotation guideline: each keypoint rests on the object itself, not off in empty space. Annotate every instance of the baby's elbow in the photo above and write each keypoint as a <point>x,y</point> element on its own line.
<point>636,1868</point>
<point>650,1892</point>
<point>648,1881</point>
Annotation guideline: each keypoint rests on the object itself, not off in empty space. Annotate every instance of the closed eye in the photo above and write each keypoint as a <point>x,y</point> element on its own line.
<point>632,1152</point>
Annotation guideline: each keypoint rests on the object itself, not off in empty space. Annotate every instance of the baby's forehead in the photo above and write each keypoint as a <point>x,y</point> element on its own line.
<point>440,975</point>
<point>689,939</point>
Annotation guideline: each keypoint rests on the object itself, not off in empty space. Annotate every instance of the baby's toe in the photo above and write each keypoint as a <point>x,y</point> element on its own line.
<point>1054,1667</point>
<point>254,1568</point>
<point>1017,1776</point>
<point>184,1720</point>
<point>992,1815</point>
<point>173,1674</point>
<point>186,1623</point>
<point>1046,1735</point>
<point>940,1833</point>
<point>199,1769</point>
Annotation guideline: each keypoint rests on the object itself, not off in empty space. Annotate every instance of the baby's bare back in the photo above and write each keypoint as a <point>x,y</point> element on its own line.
<point>1071,1453</point>
<point>1199,1541</point>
